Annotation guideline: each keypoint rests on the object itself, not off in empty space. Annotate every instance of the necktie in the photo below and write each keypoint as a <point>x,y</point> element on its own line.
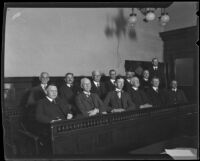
<point>98,85</point>
<point>54,101</point>
<point>119,94</point>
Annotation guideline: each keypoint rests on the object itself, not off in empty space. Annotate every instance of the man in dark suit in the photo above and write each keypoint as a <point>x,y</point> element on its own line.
<point>156,71</point>
<point>137,95</point>
<point>51,108</point>
<point>175,95</point>
<point>97,86</point>
<point>118,100</point>
<point>68,91</point>
<point>145,82</point>
<point>155,94</point>
<point>110,84</point>
<point>89,103</point>
<point>127,84</point>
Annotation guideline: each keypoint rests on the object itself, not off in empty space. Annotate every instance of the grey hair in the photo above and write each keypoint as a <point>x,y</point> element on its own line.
<point>83,80</point>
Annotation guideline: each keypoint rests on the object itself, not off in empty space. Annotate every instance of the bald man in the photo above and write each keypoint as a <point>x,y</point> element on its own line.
<point>98,87</point>
<point>89,103</point>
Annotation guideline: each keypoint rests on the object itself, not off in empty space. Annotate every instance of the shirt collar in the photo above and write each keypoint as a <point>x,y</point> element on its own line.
<point>96,83</point>
<point>118,90</point>
<point>155,88</point>
<point>135,88</point>
<point>128,80</point>
<point>112,81</point>
<point>87,93</point>
<point>50,99</point>
<point>69,85</point>
<point>155,67</point>
<point>145,79</point>
<point>174,89</point>
<point>43,85</point>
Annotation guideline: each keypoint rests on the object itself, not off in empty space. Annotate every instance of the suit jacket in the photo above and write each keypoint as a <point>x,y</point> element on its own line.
<point>156,99</point>
<point>109,86</point>
<point>112,101</point>
<point>158,73</point>
<point>36,93</point>
<point>86,104</point>
<point>100,91</point>
<point>177,97</point>
<point>144,85</point>
<point>139,97</point>
<point>127,85</point>
<point>47,111</point>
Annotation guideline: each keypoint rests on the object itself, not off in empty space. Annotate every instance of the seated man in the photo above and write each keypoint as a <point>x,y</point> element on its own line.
<point>118,100</point>
<point>175,96</point>
<point>97,86</point>
<point>156,95</point>
<point>51,108</point>
<point>138,96</point>
<point>69,90</point>
<point>145,81</point>
<point>127,84</point>
<point>110,84</point>
<point>89,103</point>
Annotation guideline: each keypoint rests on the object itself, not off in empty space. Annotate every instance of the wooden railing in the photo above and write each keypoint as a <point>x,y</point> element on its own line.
<point>123,130</point>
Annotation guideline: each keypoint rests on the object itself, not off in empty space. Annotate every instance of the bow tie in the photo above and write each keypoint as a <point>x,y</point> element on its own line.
<point>118,90</point>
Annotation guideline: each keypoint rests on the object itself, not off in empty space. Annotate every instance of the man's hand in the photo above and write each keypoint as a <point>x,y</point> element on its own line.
<point>69,116</point>
<point>118,110</point>
<point>58,119</point>
<point>93,112</point>
<point>145,106</point>
<point>104,112</point>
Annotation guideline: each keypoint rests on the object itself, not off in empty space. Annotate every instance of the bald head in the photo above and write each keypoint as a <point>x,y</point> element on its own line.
<point>96,75</point>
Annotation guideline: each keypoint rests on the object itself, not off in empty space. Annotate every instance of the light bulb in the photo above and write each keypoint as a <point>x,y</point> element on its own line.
<point>150,16</point>
<point>132,19</point>
<point>165,18</point>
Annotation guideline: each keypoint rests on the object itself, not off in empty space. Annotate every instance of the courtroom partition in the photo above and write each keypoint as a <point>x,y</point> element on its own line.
<point>118,132</point>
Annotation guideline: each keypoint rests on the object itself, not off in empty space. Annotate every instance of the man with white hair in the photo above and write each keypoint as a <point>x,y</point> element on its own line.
<point>98,87</point>
<point>118,100</point>
<point>89,103</point>
<point>138,96</point>
<point>38,92</point>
